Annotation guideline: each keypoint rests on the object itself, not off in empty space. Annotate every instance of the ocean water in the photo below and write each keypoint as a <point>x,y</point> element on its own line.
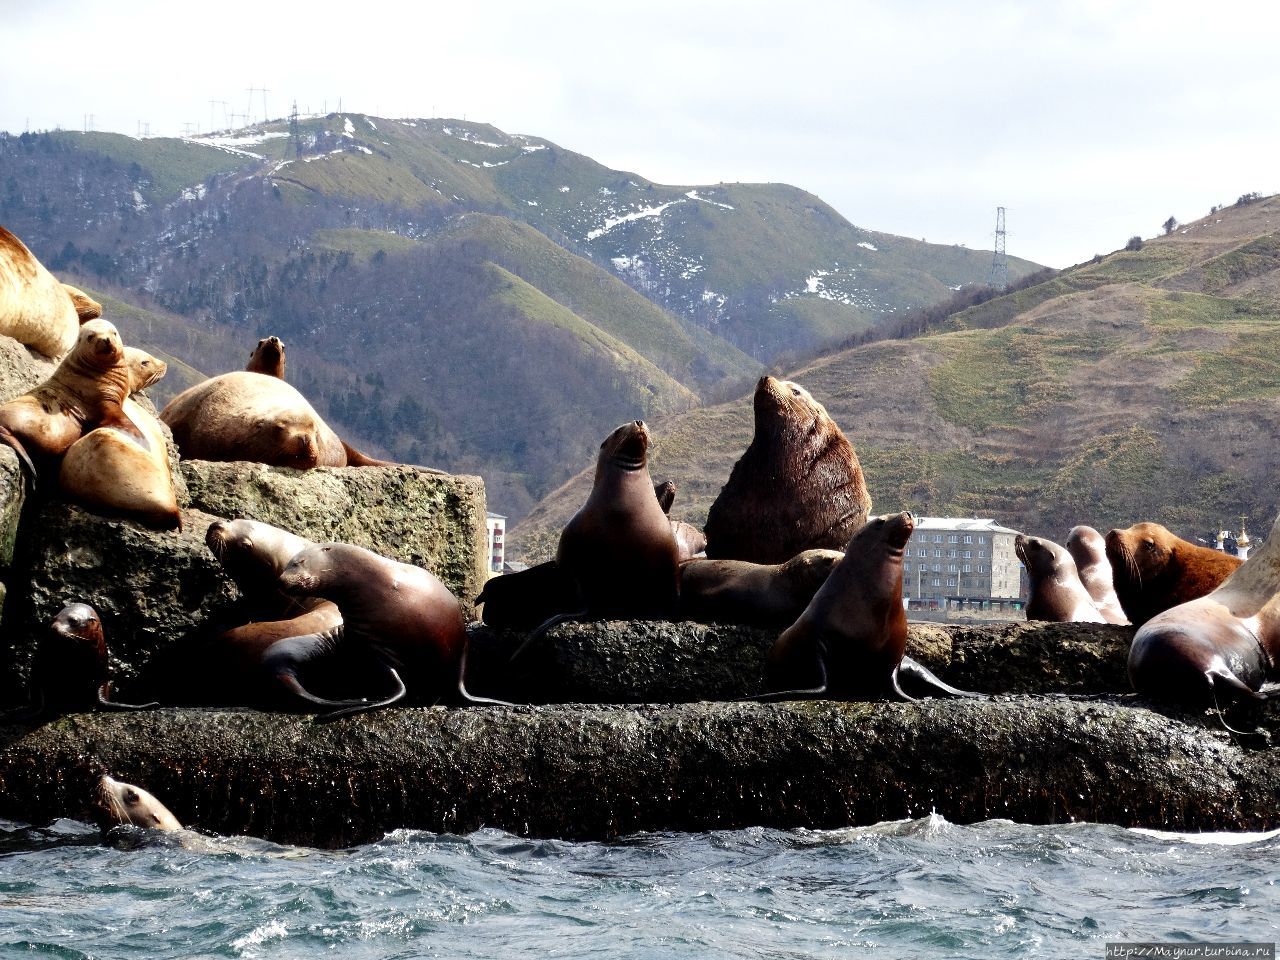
<point>921,888</point>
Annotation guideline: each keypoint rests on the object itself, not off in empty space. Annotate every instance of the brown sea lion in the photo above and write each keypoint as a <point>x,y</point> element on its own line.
<point>259,418</point>
<point>1153,570</point>
<point>848,643</point>
<point>1089,550</point>
<point>797,487</point>
<point>121,804</point>
<point>35,309</point>
<point>85,306</point>
<point>267,358</point>
<point>759,595</point>
<point>1057,595</point>
<point>402,613</point>
<point>71,669</point>
<point>87,390</point>
<point>690,541</point>
<point>110,470</point>
<point>619,549</point>
<point>1227,641</point>
<point>254,554</point>
<point>666,494</point>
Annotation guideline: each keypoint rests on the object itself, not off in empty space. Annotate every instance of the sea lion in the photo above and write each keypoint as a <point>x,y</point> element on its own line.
<point>267,358</point>
<point>848,643</point>
<point>666,494</point>
<point>527,598</point>
<point>85,306</point>
<point>121,804</point>
<point>797,487</point>
<point>1154,570</point>
<point>1227,641</point>
<point>260,418</point>
<point>109,470</point>
<point>401,613</point>
<point>690,541</point>
<point>619,549</point>
<point>87,390</point>
<point>35,309</point>
<point>1057,595</point>
<point>254,554</point>
<point>1089,550</point>
<point>759,595</point>
<point>71,671</point>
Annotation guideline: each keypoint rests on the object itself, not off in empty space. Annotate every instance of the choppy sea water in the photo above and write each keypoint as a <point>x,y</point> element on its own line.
<point>921,888</point>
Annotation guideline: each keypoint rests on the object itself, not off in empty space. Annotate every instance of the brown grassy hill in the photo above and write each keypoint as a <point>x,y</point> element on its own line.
<point>1145,385</point>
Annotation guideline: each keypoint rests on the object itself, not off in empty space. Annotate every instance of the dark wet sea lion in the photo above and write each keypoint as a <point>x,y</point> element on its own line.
<point>267,358</point>
<point>1057,595</point>
<point>619,549</point>
<point>401,613</point>
<point>35,309</point>
<point>848,643</point>
<point>1089,550</point>
<point>87,390</point>
<point>526,598</point>
<point>797,487</point>
<point>1154,570</point>
<point>120,804</point>
<point>1224,643</point>
<point>759,595</point>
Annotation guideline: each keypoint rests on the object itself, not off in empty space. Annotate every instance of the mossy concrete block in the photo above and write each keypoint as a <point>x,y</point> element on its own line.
<point>606,771</point>
<point>647,661</point>
<point>429,520</point>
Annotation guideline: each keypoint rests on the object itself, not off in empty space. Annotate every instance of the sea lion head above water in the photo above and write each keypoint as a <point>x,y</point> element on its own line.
<point>120,803</point>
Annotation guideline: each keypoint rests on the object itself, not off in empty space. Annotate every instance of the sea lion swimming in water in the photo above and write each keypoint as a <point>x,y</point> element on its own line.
<point>121,804</point>
<point>1155,570</point>
<point>799,485</point>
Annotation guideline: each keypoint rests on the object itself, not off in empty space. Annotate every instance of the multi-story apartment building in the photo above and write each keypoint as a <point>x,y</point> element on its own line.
<point>955,561</point>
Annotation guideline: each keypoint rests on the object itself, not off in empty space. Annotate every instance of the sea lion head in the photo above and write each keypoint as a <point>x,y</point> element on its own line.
<point>666,494</point>
<point>785,406</point>
<point>883,536</point>
<point>122,803</point>
<point>812,566</point>
<point>1140,554</point>
<point>144,369</point>
<point>268,357</point>
<point>78,625</point>
<point>296,439</point>
<point>1042,558</point>
<point>252,553</point>
<point>1085,541</point>
<point>99,344</point>
<point>627,447</point>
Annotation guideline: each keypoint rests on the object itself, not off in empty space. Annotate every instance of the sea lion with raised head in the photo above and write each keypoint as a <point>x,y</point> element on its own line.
<point>401,613</point>
<point>87,390</point>
<point>122,804</point>
<point>848,643</point>
<point>755,594</point>
<point>666,494</point>
<point>799,485</point>
<point>1227,641</point>
<point>1154,570</point>
<point>35,309</point>
<point>259,418</point>
<point>127,472</point>
<point>1089,550</point>
<point>1057,595</point>
<point>268,358</point>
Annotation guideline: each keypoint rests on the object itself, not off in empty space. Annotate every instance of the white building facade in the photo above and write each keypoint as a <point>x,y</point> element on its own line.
<point>961,562</point>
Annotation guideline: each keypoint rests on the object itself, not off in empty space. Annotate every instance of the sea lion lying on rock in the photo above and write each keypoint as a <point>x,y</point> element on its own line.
<point>797,487</point>
<point>1155,570</point>
<point>35,309</point>
<point>755,594</point>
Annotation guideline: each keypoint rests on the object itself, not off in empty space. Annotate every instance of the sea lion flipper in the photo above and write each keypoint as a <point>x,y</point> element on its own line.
<point>462,685</point>
<point>367,707</point>
<point>933,685</point>
<point>542,629</point>
<point>29,468</point>
<point>106,703</point>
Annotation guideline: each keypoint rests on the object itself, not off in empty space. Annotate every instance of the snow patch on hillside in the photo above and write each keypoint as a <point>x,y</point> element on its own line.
<point>348,128</point>
<point>693,195</point>
<point>647,212</point>
<point>868,246</point>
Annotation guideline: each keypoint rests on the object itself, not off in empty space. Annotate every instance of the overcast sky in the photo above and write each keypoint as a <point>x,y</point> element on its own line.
<point>1089,121</point>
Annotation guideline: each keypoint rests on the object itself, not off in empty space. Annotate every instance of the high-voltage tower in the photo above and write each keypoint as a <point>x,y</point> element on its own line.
<point>999,278</point>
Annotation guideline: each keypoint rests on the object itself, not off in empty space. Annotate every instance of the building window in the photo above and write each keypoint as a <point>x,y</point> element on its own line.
<point>968,538</point>
<point>967,568</point>
<point>937,582</point>
<point>982,539</point>
<point>968,554</point>
<point>953,538</point>
<point>907,567</point>
<point>952,568</point>
<point>982,553</point>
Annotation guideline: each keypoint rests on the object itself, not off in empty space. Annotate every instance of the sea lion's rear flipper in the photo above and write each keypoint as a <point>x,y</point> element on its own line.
<point>923,677</point>
<point>462,685</point>
<point>365,706</point>
<point>542,629</point>
<point>811,693</point>
<point>29,468</point>
<point>357,459</point>
<point>106,703</point>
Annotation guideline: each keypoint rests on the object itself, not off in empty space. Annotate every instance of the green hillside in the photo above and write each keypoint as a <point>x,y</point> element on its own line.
<point>1143,386</point>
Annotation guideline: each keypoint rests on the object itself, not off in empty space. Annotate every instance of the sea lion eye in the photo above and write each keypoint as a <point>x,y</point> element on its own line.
<point>131,796</point>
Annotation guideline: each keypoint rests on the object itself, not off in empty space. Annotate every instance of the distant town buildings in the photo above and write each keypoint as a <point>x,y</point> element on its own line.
<point>961,562</point>
<point>496,525</point>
